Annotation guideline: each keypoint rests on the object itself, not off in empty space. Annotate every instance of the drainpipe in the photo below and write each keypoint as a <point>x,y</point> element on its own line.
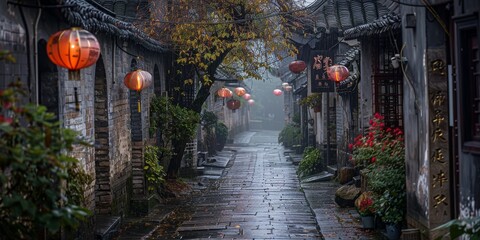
<point>27,45</point>
<point>35,53</point>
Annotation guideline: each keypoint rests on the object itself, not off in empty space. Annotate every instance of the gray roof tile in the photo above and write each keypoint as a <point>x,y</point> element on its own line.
<point>380,25</point>
<point>84,15</point>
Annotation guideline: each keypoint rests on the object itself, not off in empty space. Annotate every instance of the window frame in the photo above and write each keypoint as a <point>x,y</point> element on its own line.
<point>469,142</point>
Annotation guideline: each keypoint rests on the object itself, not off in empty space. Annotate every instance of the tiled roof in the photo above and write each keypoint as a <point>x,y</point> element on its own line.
<point>383,24</point>
<point>84,15</point>
<point>350,56</point>
<point>346,14</point>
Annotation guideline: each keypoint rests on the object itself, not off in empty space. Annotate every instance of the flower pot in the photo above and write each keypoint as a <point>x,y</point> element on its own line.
<point>393,231</point>
<point>368,222</point>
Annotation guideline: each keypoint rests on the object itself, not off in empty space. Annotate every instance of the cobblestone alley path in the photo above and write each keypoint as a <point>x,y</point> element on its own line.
<point>258,197</point>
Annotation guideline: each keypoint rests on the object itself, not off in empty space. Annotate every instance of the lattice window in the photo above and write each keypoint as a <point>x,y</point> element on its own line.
<point>387,82</point>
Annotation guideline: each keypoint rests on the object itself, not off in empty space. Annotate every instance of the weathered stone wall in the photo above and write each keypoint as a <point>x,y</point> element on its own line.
<point>115,159</point>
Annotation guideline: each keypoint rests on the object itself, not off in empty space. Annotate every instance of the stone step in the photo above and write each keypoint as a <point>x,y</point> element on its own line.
<point>332,169</point>
<point>106,226</point>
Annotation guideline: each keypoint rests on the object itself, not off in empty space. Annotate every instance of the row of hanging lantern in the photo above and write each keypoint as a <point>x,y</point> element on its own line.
<point>76,48</point>
<point>234,104</point>
<point>335,73</point>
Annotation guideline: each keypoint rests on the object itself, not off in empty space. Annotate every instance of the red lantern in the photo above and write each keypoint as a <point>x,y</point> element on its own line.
<point>338,73</point>
<point>284,84</point>
<point>233,104</point>
<point>251,102</point>
<point>73,49</point>
<point>247,96</point>
<point>138,80</point>
<point>297,66</point>
<point>288,88</point>
<point>240,91</point>
<point>224,92</point>
<point>277,92</point>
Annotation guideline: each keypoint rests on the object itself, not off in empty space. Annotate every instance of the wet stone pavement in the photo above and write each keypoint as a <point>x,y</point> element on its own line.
<point>258,196</point>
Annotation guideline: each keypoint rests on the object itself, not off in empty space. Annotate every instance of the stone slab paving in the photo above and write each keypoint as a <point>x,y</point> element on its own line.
<point>258,197</point>
<point>335,222</point>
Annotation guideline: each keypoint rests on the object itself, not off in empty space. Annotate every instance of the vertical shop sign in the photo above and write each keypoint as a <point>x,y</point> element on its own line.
<point>440,200</point>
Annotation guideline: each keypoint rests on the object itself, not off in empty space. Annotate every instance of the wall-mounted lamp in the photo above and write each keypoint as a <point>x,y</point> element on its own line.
<point>396,60</point>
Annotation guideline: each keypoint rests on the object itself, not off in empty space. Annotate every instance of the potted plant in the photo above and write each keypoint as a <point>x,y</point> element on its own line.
<point>365,207</point>
<point>313,100</point>
<point>381,154</point>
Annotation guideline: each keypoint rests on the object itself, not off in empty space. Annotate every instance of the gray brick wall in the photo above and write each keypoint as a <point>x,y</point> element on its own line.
<point>115,159</point>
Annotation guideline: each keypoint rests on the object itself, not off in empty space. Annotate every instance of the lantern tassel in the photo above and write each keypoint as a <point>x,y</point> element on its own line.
<point>139,105</point>
<point>74,75</point>
<point>77,104</point>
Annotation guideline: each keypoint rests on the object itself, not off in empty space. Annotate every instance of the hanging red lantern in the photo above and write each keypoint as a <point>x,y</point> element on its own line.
<point>247,96</point>
<point>251,102</point>
<point>74,49</point>
<point>233,104</point>
<point>224,92</point>
<point>284,84</point>
<point>297,66</point>
<point>138,80</point>
<point>288,88</point>
<point>277,92</point>
<point>240,91</point>
<point>338,73</point>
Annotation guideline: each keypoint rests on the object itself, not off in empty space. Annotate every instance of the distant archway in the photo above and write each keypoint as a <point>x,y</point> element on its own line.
<point>47,80</point>
<point>103,195</point>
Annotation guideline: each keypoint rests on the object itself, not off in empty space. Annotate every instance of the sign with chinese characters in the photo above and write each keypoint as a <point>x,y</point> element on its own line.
<point>440,200</point>
<point>319,63</point>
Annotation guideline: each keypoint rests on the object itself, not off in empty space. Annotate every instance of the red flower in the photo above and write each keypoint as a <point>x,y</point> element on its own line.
<point>374,159</point>
<point>350,146</point>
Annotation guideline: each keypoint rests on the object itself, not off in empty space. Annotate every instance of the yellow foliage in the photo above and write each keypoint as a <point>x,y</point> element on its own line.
<point>241,35</point>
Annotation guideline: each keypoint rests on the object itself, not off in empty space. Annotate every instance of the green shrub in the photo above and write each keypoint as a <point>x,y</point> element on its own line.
<point>209,121</point>
<point>311,162</point>
<point>41,186</point>
<point>221,133</point>
<point>290,135</point>
<point>154,172</point>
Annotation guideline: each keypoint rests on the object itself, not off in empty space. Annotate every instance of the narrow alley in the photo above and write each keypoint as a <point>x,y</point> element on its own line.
<point>258,196</point>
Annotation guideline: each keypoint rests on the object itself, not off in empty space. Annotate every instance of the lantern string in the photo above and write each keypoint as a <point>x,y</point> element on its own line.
<point>125,51</point>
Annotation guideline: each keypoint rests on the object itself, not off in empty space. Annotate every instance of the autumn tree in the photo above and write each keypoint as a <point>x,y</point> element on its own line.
<point>240,37</point>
